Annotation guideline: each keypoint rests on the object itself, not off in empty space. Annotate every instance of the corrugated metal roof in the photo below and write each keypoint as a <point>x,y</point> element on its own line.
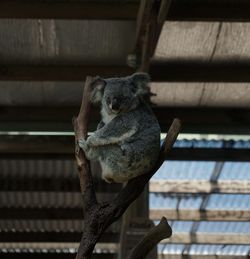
<point>228,201</point>
<point>198,249</point>
<point>170,171</point>
<point>46,247</point>
<point>24,225</point>
<point>189,201</point>
<point>224,227</point>
<point>203,143</point>
<point>171,249</point>
<point>185,170</point>
<point>235,171</point>
<point>219,249</point>
<point>33,199</point>
<point>41,199</point>
<point>37,168</point>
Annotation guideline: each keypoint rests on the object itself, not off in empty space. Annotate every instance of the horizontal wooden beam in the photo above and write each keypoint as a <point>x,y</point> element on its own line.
<point>40,213</point>
<point>200,186</point>
<point>197,71</point>
<point>65,9</point>
<point>195,120</point>
<point>52,184</point>
<point>218,214</point>
<point>174,186</point>
<point>215,237</point>
<point>59,72</point>
<point>181,10</point>
<point>56,147</point>
<point>184,237</point>
<point>167,71</point>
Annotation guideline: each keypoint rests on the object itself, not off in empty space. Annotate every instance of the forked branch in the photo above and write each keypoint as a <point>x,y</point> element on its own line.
<point>98,216</point>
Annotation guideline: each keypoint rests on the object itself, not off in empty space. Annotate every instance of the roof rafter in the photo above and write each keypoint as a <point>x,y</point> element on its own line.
<point>166,71</point>
<point>195,120</point>
<point>206,10</point>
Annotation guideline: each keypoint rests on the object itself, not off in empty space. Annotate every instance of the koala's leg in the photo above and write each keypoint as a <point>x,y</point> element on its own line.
<point>107,174</point>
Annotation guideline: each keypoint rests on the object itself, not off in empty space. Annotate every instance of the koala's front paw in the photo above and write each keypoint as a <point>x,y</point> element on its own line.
<point>83,144</point>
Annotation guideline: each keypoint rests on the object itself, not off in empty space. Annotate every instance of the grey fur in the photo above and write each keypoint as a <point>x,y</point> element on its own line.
<point>127,140</point>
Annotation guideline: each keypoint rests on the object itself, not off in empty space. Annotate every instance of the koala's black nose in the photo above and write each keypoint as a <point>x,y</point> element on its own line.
<point>115,105</point>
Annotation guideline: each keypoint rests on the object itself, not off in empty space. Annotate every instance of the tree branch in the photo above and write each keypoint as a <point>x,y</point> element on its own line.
<point>98,216</point>
<point>80,124</point>
<point>151,239</point>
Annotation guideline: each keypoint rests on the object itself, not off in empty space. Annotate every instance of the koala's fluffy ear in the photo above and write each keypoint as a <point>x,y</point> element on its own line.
<point>140,81</point>
<point>98,86</point>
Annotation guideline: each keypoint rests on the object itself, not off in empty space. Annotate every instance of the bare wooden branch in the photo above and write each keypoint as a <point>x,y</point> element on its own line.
<point>98,216</point>
<point>80,124</point>
<point>151,239</point>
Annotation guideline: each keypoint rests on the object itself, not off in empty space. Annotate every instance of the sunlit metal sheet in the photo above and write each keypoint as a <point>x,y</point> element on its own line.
<point>191,170</point>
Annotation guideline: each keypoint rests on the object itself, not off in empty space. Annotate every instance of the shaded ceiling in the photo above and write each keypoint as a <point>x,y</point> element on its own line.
<point>75,42</point>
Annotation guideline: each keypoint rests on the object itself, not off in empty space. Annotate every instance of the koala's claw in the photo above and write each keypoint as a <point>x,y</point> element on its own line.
<point>83,144</point>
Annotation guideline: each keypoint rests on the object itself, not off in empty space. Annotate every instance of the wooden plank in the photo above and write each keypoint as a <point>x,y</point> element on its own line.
<point>58,119</point>
<point>42,213</point>
<point>155,214</point>
<point>208,238</point>
<point>56,147</point>
<point>177,237</point>
<point>59,73</point>
<point>207,10</point>
<point>195,71</point>
<point>74,42</point>
<point>173,186</point>
<point>63,184</point>
<point>199,186</point>
<point>167,71</point>
<point>64,9</point>
<point>215,215</point>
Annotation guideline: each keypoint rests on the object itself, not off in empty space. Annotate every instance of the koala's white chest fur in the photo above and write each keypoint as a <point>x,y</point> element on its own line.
<point>106,118</point>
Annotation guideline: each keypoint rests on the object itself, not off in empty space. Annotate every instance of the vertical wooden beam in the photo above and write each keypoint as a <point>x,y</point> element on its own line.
<point>150,20</point>
<point>162,14</point>
<point>142,21</point>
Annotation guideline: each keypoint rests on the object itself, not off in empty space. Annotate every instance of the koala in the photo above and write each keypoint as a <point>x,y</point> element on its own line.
<point>127,140</point>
